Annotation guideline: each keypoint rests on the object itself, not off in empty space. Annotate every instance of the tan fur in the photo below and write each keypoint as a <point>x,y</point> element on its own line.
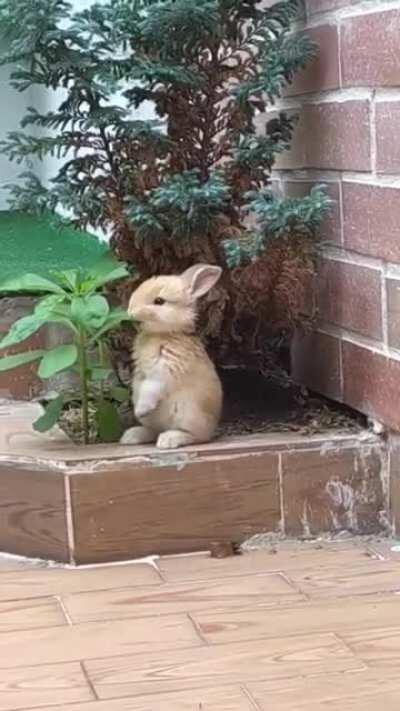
<point>177,394</point>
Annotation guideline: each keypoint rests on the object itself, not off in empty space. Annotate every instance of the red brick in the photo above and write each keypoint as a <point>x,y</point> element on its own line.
<point>372,383</point>
<point>338,135</point>
<point>314,6</point>
<point>22,383</point>
<point>350,296</point>
<point>370,49</point>
<point>330,230</point>
<point>371,220</point>
<point>316,363</point>
<point>387,137</point>
<point>330,136</point>
<point>323,72</point>
<point>393,312</point>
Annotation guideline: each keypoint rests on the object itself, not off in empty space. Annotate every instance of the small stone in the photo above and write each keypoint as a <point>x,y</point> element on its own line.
<point>222,549</point>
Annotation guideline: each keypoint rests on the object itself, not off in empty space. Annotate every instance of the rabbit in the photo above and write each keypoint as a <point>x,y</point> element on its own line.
<point>177,394</point>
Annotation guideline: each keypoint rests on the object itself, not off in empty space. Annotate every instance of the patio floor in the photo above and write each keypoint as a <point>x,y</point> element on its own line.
<point>295,627</point>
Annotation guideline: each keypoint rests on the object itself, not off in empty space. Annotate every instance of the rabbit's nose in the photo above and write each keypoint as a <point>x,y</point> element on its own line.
<point>136,314</point>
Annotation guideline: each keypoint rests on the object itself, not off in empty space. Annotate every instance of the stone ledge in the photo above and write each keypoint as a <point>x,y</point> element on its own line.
<point>102,503</point>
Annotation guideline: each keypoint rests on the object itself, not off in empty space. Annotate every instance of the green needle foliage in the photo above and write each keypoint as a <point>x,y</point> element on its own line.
<point>191,183</point>
<point>71,299</point>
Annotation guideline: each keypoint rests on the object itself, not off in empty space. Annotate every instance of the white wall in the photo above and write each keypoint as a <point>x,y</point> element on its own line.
<point>14,107</point>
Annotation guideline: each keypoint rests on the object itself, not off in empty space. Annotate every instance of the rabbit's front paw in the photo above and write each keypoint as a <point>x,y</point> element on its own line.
<point>172,439</point>
<point>137,435</point>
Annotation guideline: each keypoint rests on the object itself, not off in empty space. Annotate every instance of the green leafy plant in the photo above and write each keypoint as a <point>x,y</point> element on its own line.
<point>71,299</point>
<point>193,181</point>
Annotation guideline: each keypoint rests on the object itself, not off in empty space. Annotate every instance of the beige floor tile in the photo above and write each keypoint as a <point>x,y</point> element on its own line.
<point>28,614</point>
<point>96,639</point>
<point>54,581</point>
<point>373,576</point>
<point>225,664</point>
<point>378,647</point>
<point>303,618</point>
<point>282,557</point>
<point>356,691</point>
<point>256,590</point>
<point>30,687</point>
<point>226,698</point>
<point>389,700</point>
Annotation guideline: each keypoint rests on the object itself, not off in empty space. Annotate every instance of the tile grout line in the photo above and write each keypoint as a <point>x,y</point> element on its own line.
<point>64,609</point>
<point>159,572</point>
<point>247,693</point>
<point>69,519</point>
<point>197,629</point>
<point>349,648</point>
<point>89,681</point>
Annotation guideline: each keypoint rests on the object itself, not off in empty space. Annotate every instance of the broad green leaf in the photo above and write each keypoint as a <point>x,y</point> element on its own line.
<point>50,416</point>
<point>69,278</point>
<point>32,283</point>
<point>108,421</point>
<point>120,394</point>
<point>114,319</point>
<point>55,310</point>
<point>49,304</point>
<point>22,329</point>
<point>119,272</point>
<point>58,359</point>
<point>14,361</point>
<point>90,311</point>
<point>107,269</point>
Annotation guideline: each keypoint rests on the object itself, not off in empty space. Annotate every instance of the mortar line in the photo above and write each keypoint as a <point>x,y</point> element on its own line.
<point>282,522</point>
<point>341,373</point>
<point>339,36</point>
<point>364,7</point>
<point>341,211</point>
<point>356,339</point>
<point>384,312</point>
<point>373,137</point>
<point>69,519</point>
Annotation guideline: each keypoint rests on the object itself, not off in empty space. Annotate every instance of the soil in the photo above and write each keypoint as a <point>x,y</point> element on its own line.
<point>254,405</point>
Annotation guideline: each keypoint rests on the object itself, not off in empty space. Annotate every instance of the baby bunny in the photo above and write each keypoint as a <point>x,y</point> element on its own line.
<point>177,395</point>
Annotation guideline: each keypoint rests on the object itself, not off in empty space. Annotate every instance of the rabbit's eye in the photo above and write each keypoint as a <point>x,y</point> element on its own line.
<point>159,301</point>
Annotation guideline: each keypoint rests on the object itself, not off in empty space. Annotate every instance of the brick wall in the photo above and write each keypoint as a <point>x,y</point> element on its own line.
<point>348,137</point>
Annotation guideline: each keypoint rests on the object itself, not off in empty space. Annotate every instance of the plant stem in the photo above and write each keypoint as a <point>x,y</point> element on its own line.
<point>84,386</point>
<point>101,363</point>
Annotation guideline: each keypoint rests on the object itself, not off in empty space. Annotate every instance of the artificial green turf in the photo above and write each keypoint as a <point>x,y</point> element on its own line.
<point>35,245</point>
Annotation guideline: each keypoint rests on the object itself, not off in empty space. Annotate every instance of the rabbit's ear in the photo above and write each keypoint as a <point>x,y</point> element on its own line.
<point>201,278</point>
